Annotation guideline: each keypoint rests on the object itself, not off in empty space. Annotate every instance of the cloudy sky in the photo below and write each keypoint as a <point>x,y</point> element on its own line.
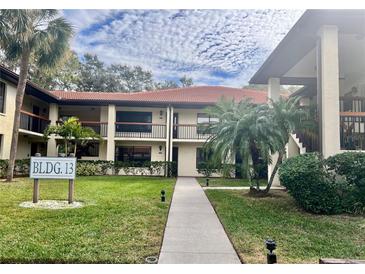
<point>214,47</point>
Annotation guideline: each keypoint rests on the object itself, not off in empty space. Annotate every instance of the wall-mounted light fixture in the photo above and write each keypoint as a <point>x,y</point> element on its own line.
<point>160,148</point>
<point>161,114</point>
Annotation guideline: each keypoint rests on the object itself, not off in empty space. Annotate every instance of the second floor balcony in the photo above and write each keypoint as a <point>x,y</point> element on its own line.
<point>32,122</point>
<point>140,130</point>
<point>190,132</point>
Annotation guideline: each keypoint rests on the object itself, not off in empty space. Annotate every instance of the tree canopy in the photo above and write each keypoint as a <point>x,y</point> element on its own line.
<point>89,73</point>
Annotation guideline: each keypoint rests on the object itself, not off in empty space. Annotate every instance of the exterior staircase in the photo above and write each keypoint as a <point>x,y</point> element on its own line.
<point>299,144</point>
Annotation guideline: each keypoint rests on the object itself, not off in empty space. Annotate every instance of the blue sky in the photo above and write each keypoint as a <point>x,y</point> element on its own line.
<point>214,47</point>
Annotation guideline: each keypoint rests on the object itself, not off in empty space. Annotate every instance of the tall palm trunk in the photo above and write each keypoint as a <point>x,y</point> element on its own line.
<point>255,155</point>
<point>23,75</point>
<point>275,170</point>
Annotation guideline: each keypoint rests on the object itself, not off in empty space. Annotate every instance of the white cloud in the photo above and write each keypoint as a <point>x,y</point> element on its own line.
<point>213,46</point>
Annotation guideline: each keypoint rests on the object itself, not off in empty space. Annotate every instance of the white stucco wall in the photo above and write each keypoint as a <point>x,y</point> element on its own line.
<point>24,144</point>
<point>7,119</point>
<point>187,159</point>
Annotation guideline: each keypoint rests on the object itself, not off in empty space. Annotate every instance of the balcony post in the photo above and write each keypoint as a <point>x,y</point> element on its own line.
<point>171,132</point>
<point>328,90</point>
<point>273,94</point>
<point>51,143</point>
<point>167,133</point>
<point>110,149</point>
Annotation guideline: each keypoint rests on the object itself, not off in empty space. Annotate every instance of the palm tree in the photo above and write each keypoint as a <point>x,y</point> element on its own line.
<point>255,131</point>
<point>72,131</point>
<point>40,36</point>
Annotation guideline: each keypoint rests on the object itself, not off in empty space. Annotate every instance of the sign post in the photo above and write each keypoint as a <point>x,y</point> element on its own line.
<point>53,168</point>
<point>36,191</point>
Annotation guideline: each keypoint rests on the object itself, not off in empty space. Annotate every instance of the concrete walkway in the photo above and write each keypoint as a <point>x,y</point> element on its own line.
<point>193,233</point>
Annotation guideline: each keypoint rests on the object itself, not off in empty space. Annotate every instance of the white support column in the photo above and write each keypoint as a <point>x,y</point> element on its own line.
<point>330,91</point>
<point>171,131</point>
<point>103,143</point>
<point>110,149</point>
<point>274,89</point>
<point>168,129</point>
<point>273,94</point>
<point>51,143</point>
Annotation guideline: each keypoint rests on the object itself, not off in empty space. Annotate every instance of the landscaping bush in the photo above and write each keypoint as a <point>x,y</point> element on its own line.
<point>92,168</point>
<point>306,180</point>
<point>330,186</point>
<point>153,168</point>
<point>21,167</point>
<point>350,166</point>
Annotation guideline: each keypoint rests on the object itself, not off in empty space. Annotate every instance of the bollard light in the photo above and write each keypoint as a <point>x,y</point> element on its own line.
<point>207,182</point>
<point>163,197</point>
<point>271,256</point>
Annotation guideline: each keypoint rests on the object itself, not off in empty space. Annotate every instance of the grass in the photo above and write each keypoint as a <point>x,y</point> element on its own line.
<point>123,221</point>
<point>301,237</point>
<point>228,182</point>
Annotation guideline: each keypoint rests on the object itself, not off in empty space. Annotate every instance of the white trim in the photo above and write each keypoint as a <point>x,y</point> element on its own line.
<point>30,132</point>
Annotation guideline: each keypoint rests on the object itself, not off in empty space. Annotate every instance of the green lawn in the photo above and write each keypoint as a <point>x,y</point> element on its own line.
<point>228,182</point>
<point>301,237</point>
<point>123,221</point>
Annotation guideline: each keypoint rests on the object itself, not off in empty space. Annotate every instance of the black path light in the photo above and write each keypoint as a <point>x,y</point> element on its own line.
<point>163,196</point>
<point>271,256</point>
<point>207,181</point>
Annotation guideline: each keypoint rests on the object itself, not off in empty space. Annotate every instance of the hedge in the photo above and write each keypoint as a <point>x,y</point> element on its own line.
<point>100,167</point>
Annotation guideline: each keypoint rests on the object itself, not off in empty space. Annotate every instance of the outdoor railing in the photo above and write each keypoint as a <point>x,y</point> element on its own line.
<point>352,130</point>
<point>190,132</point>
<point>353,104</point>
<point>100,128</point>
<point>140,130</point>
<point>309,140</point>
<point>33,122</point>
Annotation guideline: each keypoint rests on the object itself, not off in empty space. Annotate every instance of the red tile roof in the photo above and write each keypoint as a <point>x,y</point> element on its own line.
<point>203,95</point>
<point>189,95</point>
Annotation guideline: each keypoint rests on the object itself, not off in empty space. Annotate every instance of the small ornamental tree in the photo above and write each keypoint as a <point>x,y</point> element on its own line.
<point>72,132</point>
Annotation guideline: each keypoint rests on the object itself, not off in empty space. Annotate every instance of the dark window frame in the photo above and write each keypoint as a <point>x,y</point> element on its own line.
<point>130,155</point>
<point>134,117</point>
<point>202,126</point>
<point>2,97</point>
<point>91,149</point>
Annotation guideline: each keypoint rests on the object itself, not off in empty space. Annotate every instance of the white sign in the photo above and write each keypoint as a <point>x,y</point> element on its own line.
<point>52,168</point>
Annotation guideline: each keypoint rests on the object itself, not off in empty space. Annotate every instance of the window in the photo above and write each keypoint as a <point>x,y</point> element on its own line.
<point>131,117</point>
<point>200,156</point>
<point>138,155</point>
<point>90,149</point>
<point>2,97</point>
<point>204,120</point>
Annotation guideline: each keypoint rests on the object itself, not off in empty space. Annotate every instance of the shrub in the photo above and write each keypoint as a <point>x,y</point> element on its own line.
<point>92,168</point>
<point>154,168</point>
<point>351,166</point>
<point>21,167</point>
<point>308,182</point>
<point>207,168</point>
